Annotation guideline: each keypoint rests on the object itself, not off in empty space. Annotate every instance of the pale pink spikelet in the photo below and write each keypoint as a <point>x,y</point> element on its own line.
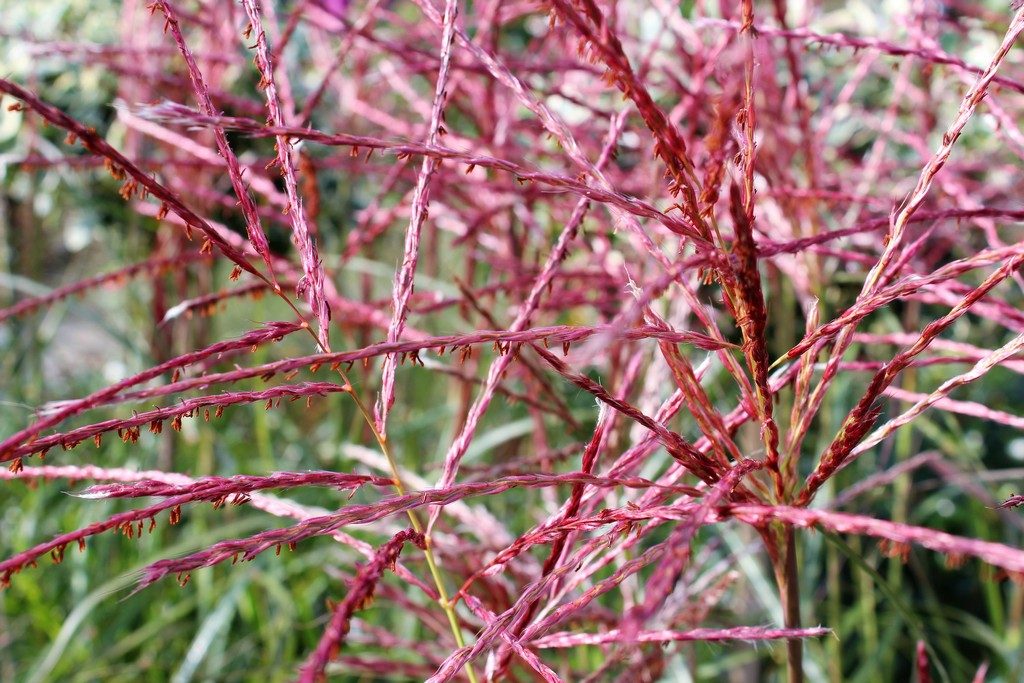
<point>253,226</point>
<point>403,286</point>
<point>312,285</point>
<point>1012,502</point>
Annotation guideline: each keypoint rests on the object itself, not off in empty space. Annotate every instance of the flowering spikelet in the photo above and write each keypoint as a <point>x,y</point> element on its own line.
<point>752,319</point>
<point>403,287</point>
<point>312,285</point>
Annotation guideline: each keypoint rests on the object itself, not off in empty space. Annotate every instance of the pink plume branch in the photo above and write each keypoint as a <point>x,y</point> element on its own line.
<point>903,288</point>
<point>125,521</point>
<point>983,366</point>
<point>968,105</point>
<point>856,427</point>
<point>899,535</point>
<point>129,429</point>
<point>588,460</point>
<point>220,488</point>
<point>864,414</point>
<point>404,278</point>
<point>56,413</point>
<point>924,674</point>
<point>612,219</point>
<point>179,489</point>
<point>206,304</point>
<point>234,490</point>
<point>312,285</point>
<point>82,472</point>
<point>365,514</point>
<point>270,504</point>
<point>360,593</point>
<point>461,443</point>
<point>688,456</point>
<point>561,132</point>
<point>458,345</point>
<point>999,555</point>
<point>667,574</point>
<point>526,654</point>
<point>157,264</point>
<point>135,179</point>
<point>929,54</point>
<point>697,401</point>
<point>217,490</point>
<point>558,526</point>
<point>747,300</point>
<point>624,519</point>
<point>625,206</point>
<point>709,635</point>
<point>252,220</point>
<point>670,146</point>
<point>953,547</point>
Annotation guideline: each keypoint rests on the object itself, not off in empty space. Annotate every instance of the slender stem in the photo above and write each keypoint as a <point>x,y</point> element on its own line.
<point>435,572</point>
<point>443,598</point>
<point>835,612</point>
<point>791,609</point>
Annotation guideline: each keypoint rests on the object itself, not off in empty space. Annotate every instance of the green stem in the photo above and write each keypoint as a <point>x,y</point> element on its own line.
<point>442,592</point>
<point>791,610</point>
<point>435,572</point>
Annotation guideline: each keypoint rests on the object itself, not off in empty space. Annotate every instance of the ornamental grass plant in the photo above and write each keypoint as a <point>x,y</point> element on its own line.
<point>560,341</point>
